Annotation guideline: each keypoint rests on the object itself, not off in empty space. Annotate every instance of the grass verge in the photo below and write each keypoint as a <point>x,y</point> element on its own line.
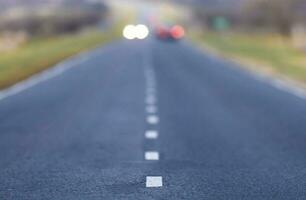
<point>39,54</point>
<point>268,53</point>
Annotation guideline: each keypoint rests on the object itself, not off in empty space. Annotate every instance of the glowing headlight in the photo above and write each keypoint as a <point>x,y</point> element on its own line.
<point>129,32</point>
<point>142,31</point>
<point>139,31</point>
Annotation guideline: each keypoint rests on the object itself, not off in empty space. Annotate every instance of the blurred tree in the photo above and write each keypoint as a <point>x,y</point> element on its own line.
<point>59,20</point>
<point>280,15</point>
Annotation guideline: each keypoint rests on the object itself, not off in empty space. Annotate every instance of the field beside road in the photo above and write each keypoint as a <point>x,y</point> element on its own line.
<point>39,54</point>
<point>270,53</point>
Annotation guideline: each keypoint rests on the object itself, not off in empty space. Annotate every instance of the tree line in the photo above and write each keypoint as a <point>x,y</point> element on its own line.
<point>55,21</point>
<point>263,15</point>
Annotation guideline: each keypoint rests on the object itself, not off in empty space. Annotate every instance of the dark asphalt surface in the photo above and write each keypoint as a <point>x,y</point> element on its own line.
<point>223,134</point>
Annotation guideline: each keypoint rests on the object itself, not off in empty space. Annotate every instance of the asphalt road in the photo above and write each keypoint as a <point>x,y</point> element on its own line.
<point>216,131</point>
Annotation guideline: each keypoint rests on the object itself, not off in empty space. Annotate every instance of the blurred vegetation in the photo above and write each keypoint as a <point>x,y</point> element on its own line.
<point>53,21</point>
<point>270,53</point>
<point>42,53</point>
<point>268,33</point>
<point>33,39</point>
<point>278,16</point>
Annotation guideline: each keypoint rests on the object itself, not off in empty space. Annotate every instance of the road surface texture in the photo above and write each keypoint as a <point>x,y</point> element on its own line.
<point>152,120</point>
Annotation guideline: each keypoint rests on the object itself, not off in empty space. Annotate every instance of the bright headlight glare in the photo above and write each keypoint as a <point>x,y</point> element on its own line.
<point>142,31</point>
<point>129,32</point>
<point>139,31</point>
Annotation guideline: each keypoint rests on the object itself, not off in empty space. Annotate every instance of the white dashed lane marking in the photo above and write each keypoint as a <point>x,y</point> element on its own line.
<point>154,181</point>
<point>151,99</point>
<point>151,109</point>
<point>151,134</point>
<point>153,119</point>
<point>151,155</point>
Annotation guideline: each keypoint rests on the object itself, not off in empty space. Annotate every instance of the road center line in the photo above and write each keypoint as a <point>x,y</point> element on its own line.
<point>153,119</point>
<point>151,134</point>
<point>151,155</point>
<point>151,99</point>
<point>151,90</point>
<point>151,109</point>
<point>154,181</point>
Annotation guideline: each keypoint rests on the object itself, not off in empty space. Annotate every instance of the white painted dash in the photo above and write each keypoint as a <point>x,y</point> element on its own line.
<point>154,181</point>
<point>151,134</point>
<point>151,155</point>
<point>153,119</point>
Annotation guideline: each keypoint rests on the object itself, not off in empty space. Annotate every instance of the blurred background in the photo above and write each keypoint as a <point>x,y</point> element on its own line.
<point>196,96</point>
<point>36,34</point>
<point>265,35</point>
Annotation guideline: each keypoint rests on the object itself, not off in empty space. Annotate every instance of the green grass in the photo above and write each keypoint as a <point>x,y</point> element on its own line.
<point>269,51</point>
<point>40,54</point>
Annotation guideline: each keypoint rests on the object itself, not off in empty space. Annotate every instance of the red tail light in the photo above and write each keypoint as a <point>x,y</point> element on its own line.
<point>177,32</point>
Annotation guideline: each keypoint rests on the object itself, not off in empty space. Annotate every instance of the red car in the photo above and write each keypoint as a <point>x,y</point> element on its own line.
<point>170,33</point>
